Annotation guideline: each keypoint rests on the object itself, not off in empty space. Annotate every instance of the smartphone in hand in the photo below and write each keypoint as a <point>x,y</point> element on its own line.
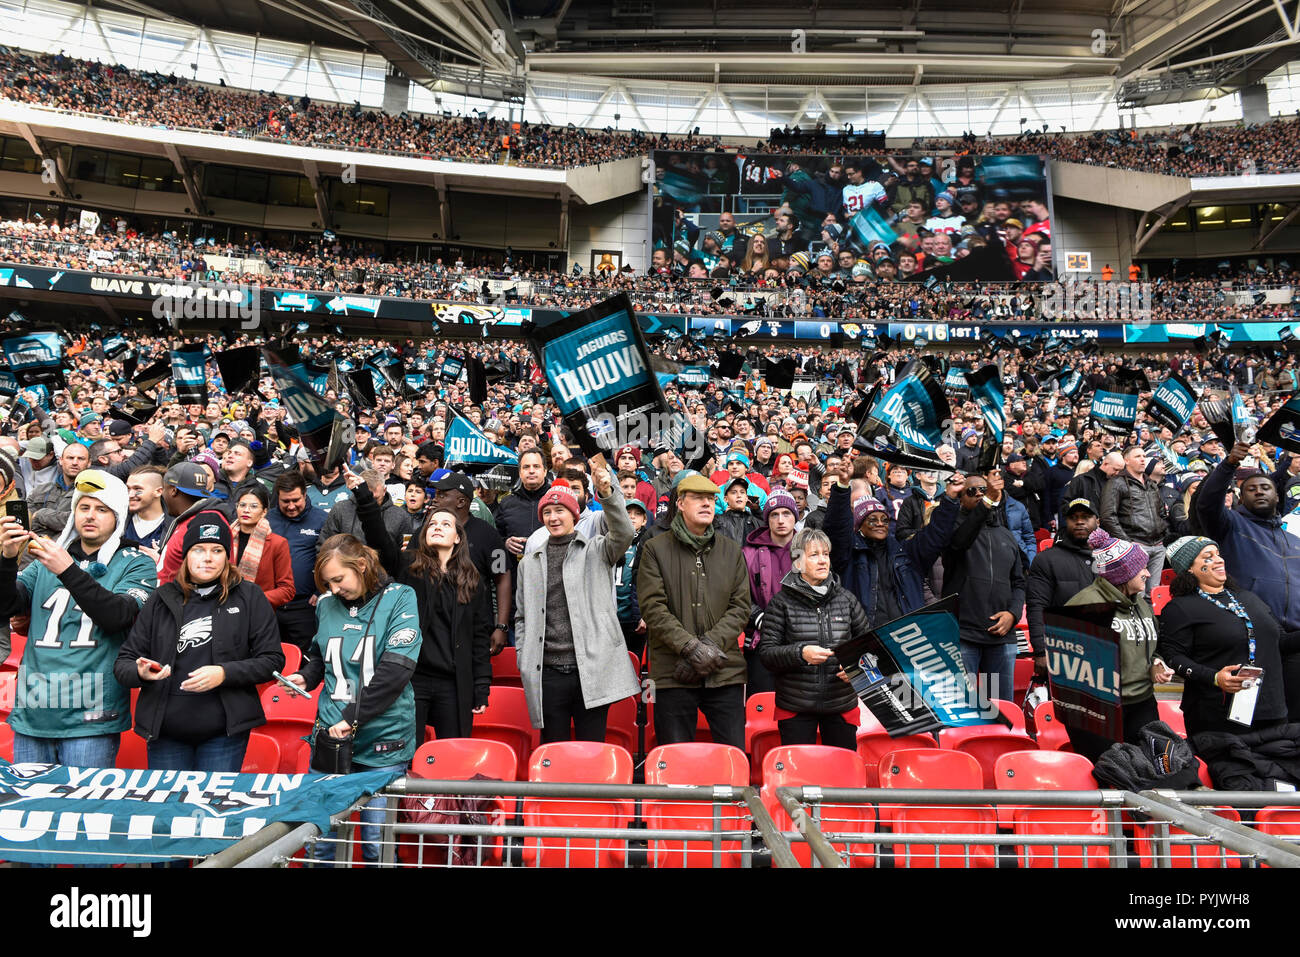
<point>17,508</point>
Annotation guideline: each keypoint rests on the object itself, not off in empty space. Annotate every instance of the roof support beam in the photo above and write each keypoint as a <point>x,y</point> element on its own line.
<point>1141,238</point>
<point>186,174</point>
<point>53,168</point>
<point>312,172</point>
<point>1268,230</point>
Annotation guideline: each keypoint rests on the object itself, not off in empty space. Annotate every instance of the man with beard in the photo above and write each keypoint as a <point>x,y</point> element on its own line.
<point>1059,573</point>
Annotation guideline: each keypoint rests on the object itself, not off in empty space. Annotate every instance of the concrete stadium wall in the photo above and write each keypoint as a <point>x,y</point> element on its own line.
<point>618,225</point>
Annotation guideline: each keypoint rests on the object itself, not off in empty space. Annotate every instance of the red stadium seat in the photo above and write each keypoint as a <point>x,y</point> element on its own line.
<point>262,756</point>
<point>1159,598</point>
<point>792,766</point>
<point>292,735</point>
<point>506,720</point>
<point>874,745</point>
<point>505,668</point>
<point>935,768</point>
<point>1022,671</point>
<point>1042,535</point>
<point>17,643</point>
<point>1171,713</point>
<point>1281,822</point>
<point>1167,576</point>
<point>8,692</point>
<point>620,726</point>
<point>694,763</point>
<point>986,743</point>
<point>1050,733</point>
<point>6,741</point>
<point>132,752</point>
<point>460,759</point>
<point>578,762</point>
<point>292,659</point>
<point>281,704</point>
<point>1012,712</point>
<point>1184,855</point>
<point>1053,771</point>
<point>761,732</point>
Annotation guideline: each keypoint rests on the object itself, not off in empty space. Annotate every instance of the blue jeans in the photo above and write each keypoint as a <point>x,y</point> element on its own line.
<point>215,754</point>
<point>372,815</point>
<point>993,667</point>
<point>94,751</point>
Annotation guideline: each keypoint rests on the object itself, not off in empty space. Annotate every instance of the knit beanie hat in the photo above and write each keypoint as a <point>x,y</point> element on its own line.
<point>780,498</point>
<point>558,494</point>
<point>1115,560</point>
<point>864,507</point>
<point>1184,551</point>
<point>207,527</point>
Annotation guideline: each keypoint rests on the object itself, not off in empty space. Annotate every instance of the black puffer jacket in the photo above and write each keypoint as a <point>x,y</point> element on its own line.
<point>517,512</point>
<point>796,617</point>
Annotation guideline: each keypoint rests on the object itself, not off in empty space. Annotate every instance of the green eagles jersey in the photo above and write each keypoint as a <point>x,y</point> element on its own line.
<point>351,646</point>
<point>66,687</point>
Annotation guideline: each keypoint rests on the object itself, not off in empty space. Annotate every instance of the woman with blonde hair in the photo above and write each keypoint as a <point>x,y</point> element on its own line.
<point>199,648</point>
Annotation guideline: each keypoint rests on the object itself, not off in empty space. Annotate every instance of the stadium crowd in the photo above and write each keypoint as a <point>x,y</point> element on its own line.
<point>792,287</point>
<point>171,102</point>
<point>151,512</point>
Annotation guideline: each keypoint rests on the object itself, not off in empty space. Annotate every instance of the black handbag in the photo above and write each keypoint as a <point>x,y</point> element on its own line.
<point>331,755</point>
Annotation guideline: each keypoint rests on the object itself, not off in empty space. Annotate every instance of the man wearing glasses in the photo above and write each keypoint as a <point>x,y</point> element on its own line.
<point>886,575</point>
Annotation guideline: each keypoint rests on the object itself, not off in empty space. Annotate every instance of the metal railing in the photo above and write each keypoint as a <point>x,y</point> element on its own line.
<point>535,824</point>
<point>927,828</point>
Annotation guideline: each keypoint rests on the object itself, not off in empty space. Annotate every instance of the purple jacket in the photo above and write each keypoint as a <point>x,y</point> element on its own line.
<point>767,565</point>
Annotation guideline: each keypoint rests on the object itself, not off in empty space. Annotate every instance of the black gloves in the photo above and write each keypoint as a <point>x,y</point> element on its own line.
<point>704,656</point>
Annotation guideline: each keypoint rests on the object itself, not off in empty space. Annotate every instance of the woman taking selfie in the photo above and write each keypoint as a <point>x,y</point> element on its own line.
<point>198,650</point>
<point>454,672</point>
<point>1221,640</point>
<point>262,555</point>
<point>366,646</point>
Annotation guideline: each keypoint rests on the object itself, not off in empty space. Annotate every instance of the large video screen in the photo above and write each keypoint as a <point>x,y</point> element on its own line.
<point>827,218</point>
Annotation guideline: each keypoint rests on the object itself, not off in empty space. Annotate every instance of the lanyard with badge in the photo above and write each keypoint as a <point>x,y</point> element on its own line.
<point>1242,709</point>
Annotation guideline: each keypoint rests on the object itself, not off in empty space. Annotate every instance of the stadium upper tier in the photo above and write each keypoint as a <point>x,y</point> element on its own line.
<point>156,100</point>
<point>333,267</point>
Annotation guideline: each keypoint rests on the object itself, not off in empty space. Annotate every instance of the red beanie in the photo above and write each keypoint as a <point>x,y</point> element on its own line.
<point>558,494</point>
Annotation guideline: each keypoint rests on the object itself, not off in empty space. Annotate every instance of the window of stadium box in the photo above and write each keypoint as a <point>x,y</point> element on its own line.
<point>16,156</point>
<point>859,203</point>
<point>363,198</point>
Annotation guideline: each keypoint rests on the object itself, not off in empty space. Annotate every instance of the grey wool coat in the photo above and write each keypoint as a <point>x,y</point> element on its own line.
<point>604,668</point>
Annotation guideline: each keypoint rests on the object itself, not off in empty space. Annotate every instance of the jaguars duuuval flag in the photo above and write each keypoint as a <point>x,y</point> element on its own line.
<point>1172,403</point>
<point>597,367</point>
<point>985,386</point>
<point>909,672</point>
<point>905,423</point>
<point>325,433</point>
<point>1114,406</point>
<point>1083,668</point>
